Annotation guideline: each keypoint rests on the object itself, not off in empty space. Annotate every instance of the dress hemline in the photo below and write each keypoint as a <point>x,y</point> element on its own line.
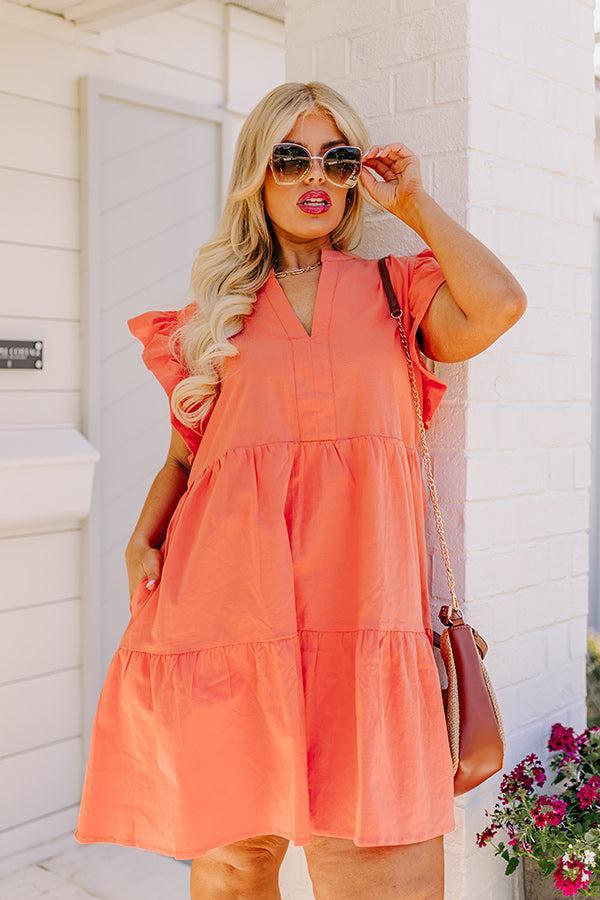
<point>376,668</point>
<point>296,840</point>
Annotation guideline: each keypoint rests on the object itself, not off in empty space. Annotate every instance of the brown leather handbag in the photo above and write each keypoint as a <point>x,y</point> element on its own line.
<point>473,719</point>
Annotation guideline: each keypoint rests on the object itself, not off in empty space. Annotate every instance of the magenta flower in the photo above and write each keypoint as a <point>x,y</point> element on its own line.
<point>571,876</point>
<point>486,835</point>
<point>549,810</point>
<point>523,776</point>
<point>589,793</point>
<point>520,844</point>
<point>562,738</point>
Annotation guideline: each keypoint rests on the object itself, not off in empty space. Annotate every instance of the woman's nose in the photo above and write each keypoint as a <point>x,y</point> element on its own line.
<point>316,171</point>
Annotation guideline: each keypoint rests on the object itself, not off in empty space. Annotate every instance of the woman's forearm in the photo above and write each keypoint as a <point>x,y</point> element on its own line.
<point>166,489</point>
<point>479,281</point>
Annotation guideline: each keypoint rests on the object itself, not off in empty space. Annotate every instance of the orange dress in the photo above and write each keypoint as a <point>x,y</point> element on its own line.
<point>280,678</point>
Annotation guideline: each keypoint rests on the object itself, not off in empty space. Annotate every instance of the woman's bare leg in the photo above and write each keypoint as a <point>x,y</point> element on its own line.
<point>244,870</point>
<point>339,869</point>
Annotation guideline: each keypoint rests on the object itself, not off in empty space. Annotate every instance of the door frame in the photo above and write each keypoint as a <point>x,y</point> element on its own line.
<point>92,91</point>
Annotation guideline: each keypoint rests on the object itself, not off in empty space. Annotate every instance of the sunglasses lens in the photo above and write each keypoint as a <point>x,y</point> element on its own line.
<point>342,165</point>
<point>290,162</point>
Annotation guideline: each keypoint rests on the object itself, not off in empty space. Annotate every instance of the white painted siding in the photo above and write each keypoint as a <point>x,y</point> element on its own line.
<point>182,53</point>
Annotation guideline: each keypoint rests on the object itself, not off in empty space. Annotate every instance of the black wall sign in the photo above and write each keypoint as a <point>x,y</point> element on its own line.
<point>21,354</point>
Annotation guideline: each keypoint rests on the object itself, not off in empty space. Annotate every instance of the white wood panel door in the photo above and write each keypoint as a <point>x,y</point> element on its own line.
<point>152,185</point>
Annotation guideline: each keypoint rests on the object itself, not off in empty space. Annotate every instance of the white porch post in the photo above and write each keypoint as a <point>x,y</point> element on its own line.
<point>497,101</point>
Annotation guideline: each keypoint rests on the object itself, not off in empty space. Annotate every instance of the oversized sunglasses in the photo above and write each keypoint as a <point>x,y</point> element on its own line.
<point>291,162</point>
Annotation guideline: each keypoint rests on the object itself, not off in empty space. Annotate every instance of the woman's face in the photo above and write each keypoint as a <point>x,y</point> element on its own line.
<point>292,221</point>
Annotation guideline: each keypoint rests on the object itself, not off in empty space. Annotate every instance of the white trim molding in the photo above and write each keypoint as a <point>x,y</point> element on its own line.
<point>99,15</point>
<point>46,477</point>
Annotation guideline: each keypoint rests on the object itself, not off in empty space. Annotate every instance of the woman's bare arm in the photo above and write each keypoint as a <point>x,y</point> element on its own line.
<point>142,556</point>
<point>481,298</point>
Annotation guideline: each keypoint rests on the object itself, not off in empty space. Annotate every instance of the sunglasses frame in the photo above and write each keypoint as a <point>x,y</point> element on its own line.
<point>309,159</point>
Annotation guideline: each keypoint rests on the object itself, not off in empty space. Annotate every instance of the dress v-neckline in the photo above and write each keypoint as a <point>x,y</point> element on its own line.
<point>323,299</point>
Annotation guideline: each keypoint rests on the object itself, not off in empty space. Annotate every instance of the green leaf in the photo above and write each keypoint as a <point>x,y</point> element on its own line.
<point>547,866</point>
<point>512,865</point>
<point>505,855</point>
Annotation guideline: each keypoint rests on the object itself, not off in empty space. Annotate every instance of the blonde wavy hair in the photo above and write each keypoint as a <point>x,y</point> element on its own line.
<point>229,269</point>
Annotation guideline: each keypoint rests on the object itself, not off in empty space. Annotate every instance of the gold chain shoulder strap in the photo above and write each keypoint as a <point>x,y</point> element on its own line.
<point>396,313</point>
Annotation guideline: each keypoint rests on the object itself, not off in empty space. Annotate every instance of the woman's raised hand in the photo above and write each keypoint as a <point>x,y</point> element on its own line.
<point>401,173</point>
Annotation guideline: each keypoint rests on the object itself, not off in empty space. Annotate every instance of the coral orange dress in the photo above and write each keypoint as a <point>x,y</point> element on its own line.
<point>280,678</point>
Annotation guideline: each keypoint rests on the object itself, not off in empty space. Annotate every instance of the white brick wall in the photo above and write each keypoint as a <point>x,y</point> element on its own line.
<point>531,155</point>
<point>497,100</point>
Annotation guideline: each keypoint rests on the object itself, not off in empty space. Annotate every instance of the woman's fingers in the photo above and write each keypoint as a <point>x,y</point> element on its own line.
<point>399,171</point>
<point>372,150</point>
<point>394,158</point>
<point>382,168</point>
<point>152,566</point>
<point>390,161</point>
<point>394,151</point>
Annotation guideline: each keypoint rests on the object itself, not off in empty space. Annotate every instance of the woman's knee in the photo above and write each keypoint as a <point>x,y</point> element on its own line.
<point>246,868</point>
<point>404,872</point>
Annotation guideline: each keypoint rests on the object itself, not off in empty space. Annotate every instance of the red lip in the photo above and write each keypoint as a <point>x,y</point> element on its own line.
<point>314,195</point>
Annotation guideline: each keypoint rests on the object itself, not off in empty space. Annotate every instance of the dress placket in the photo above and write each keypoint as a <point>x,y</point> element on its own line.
<point>315,395</point>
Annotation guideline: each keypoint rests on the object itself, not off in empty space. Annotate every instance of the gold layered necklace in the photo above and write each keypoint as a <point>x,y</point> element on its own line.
<point>297,271</point>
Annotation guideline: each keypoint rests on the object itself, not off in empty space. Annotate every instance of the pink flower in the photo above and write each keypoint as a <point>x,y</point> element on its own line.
<point>561,738</point>
<point>549,810</point>
<point>564,740</point>
<point>486,835</point>
<point>520,844</point>
<point>523,776</point>
<point>539,775</point>
<point>589,793</point>
<point>571,876</point>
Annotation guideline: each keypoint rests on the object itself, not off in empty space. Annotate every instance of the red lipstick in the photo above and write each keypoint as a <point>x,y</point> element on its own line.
<point>314,202</point>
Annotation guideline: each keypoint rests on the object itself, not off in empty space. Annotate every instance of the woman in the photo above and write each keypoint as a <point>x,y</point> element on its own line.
<point>276,680</point>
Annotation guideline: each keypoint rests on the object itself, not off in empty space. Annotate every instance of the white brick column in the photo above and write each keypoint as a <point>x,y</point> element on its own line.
<point>497,101</point>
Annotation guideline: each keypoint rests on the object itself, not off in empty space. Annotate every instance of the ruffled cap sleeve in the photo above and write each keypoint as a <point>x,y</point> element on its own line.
<point>153,329</point>
<point>415,280</point>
